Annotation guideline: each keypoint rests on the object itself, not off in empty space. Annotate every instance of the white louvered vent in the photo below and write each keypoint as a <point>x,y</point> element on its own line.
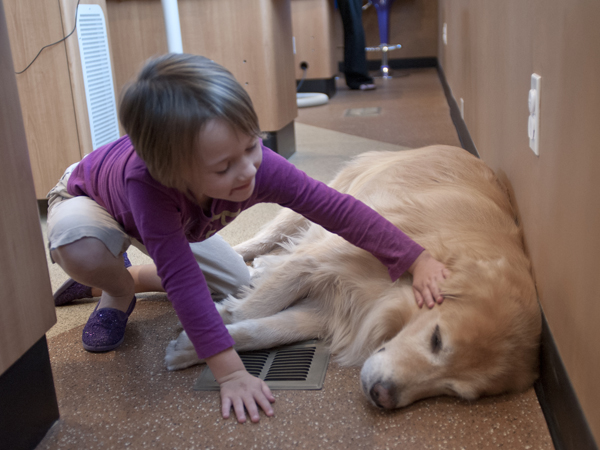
<point>97,74</point>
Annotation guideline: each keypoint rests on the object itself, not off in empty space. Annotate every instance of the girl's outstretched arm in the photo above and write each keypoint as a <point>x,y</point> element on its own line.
<point>238,388</point>
<point>427,272</point>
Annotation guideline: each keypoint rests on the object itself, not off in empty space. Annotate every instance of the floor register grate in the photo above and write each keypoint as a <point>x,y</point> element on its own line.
<point>363,112</point>
<point>299,366</point>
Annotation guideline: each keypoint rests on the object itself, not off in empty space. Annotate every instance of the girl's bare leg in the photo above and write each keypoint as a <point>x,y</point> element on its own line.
<point>145,279</point>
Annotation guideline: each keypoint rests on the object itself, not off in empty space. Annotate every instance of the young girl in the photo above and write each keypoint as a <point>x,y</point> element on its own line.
<point>191,162</point>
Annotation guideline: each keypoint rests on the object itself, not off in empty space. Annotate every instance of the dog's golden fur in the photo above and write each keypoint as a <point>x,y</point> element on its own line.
<point>482,340</point>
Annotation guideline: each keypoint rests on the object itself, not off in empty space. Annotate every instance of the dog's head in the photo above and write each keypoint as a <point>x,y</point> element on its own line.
<point>483,340</point>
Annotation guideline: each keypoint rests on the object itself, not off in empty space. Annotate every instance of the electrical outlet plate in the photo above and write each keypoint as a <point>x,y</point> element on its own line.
<point>533,128</point>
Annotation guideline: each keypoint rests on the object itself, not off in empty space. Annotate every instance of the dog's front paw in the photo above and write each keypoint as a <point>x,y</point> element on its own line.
<point>257,270</point>
<point>181,354</point>
<point>224,309</point>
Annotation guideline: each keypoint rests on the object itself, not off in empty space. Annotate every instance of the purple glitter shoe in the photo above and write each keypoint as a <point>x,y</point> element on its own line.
<point>72,290</point>
<point>105,329</point>
<point>126,260</point>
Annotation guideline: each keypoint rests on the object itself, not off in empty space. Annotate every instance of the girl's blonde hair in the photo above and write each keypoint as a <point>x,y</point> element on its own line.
<point>165,108</point>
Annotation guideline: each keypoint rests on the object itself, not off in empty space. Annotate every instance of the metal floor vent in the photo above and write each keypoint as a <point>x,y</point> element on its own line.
<point>299,366</point>
<point>362,112</point>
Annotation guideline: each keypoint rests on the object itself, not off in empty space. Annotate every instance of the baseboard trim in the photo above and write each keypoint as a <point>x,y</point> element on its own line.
<point>566,421</point>
<point>461,127</point>
<point>28,404</point>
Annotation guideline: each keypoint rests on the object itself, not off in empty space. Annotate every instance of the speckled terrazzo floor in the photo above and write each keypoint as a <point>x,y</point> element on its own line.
<point>127,399</point>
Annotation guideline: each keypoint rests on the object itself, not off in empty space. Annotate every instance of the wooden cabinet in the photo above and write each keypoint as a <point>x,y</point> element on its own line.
<point>251,38</point>
<point>313,24</point>
<point>26,296</point>
<point>28,403</point>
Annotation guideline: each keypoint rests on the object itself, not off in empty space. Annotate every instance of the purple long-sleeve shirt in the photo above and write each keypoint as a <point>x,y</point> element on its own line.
<point>166,221</point>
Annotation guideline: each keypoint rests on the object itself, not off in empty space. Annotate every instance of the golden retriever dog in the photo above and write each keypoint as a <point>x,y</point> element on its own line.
<point>482,340</point>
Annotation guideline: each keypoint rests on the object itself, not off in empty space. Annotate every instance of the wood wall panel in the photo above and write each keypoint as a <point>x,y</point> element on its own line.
<point>44,89</point>
<point>313,26</point>
<point>493,48</point>
<point>26,296</point>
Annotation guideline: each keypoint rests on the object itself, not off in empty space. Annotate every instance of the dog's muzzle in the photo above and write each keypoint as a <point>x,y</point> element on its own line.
<point>381,392</point>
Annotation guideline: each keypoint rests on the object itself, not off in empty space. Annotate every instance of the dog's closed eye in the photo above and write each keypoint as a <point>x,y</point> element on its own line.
<point>436,340</point>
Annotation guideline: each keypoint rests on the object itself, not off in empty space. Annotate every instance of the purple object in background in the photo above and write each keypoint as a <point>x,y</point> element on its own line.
<point>383,19</point>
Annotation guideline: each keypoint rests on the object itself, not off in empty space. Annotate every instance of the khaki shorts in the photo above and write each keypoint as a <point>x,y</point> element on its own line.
<point>73,218</point>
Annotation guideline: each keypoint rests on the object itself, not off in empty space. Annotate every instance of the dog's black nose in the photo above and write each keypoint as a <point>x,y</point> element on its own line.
<point>383,395</point>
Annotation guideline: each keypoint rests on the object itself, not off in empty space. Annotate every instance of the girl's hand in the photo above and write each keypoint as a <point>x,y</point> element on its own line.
<point>240,389</point>
<point>427,272</point>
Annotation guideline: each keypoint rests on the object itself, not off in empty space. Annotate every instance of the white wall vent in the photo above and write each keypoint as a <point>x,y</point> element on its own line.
<point>97,75</point>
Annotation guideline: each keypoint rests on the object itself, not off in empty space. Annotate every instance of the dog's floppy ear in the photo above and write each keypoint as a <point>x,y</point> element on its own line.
<point>469,277</point>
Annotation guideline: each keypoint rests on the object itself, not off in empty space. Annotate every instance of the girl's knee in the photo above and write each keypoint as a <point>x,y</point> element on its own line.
<point>84,254</point>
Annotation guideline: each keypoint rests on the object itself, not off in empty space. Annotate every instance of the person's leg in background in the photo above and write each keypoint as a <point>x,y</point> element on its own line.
<point>355,59</point>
